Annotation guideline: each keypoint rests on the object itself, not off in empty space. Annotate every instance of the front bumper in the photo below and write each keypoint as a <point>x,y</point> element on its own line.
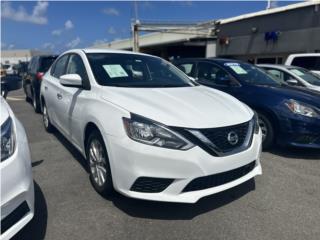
<point>299,131</point>
<point>17,189</point>
<point>130,160</point>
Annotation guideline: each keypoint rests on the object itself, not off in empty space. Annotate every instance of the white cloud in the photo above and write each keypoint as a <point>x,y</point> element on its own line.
<point>111,11</point>
<point>48,46</point>
<point>68,25</point>
<point>111,30</point>
<point>38,15</point>
<point>11,46</point>
<point>100,41</point>
<point>72,44</point>
<point>56,32</point>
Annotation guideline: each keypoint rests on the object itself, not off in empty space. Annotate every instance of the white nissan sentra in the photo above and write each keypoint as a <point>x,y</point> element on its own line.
<point>147,130</point>
<point>17,191</point>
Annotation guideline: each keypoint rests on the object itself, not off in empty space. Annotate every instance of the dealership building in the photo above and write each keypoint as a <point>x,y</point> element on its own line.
<point>19,55</point>
<point>267,36</point>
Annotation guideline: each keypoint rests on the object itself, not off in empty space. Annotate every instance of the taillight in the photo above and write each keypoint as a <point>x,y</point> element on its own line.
<point>39,75</point>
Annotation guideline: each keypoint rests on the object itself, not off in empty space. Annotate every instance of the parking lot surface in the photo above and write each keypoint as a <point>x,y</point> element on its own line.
<point>283,203</point>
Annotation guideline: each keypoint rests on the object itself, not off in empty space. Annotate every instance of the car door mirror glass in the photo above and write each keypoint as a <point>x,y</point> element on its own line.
<point>71,80</point>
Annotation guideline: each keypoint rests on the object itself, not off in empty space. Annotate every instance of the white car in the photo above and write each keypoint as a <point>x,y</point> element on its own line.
<point>17,190</point>
<point>310,61</point>
<point>146,129</point>
<point>292,75</point>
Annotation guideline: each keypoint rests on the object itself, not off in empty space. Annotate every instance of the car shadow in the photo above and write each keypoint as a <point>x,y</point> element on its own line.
<point>36,229</point>
<point>297,153</point>
<point>164,210</point>
<point>179,211</point>
<point>74,152</point>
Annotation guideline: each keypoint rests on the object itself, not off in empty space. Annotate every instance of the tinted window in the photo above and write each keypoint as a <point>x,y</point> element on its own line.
<point>76,66</point>
<point>311,63</point>
<point>250,74</point>
<point>132,70</point>
<point>278,74</point>
<point>60,66</point>
<point>306,75</point>
<point>208,72</point>
<point>187,68</point>
<point>46,63</point>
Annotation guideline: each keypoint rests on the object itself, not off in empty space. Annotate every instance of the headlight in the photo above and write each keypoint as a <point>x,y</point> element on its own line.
<point>302,109</point>
<point>152,133</point>
<point>8,139</point>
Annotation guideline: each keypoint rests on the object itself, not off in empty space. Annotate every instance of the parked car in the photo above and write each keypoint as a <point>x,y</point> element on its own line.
<point>310,61</point>
<point>22,68</point>
<point>288,116</point>
<point>17,190</point>
<point>9,69</point>
<point>146,130</point>
<point>32,79</point>
<point>294,76</point>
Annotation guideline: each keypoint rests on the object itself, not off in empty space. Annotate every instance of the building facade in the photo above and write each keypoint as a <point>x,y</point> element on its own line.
<point>270,36</point>
<point>19,55</point>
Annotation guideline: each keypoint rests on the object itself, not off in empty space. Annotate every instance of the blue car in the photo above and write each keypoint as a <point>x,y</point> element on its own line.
<point>288,116</point>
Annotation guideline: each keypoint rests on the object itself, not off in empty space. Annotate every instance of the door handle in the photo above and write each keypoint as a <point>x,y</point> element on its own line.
<point>59,96</point>
<point>45,88</point>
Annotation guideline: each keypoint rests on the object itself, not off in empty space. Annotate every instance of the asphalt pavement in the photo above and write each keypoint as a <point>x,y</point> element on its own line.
<point>283,203</point>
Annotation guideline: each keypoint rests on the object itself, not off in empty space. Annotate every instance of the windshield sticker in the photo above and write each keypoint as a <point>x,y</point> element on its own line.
<point>297,72</point>
<point>238,70</point>
<point>231,64</point>
<point>115,71</point>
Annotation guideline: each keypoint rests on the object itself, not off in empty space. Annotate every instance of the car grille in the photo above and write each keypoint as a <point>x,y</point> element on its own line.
<point>21,211</point>
<point>151,185</point>
<point>218,179</point>
<point>219,136</point>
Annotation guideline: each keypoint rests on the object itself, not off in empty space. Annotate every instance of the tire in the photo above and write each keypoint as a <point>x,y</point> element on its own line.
<point>35,103</point>
<point>267,131</point>
<point>99,166</point>
<point>46,120</point>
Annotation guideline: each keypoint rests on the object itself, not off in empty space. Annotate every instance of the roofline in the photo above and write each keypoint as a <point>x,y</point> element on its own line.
<point>269,11</point>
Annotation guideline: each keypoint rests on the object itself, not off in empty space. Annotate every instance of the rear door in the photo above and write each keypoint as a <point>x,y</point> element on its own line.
<point>51,87</point>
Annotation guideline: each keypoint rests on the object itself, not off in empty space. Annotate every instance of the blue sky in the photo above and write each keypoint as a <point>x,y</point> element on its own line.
<point>58,26</point>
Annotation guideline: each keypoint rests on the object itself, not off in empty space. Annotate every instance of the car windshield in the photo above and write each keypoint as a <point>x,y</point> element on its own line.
<point>132,70</point>
<point>306,75</point>
<point>250,74</point>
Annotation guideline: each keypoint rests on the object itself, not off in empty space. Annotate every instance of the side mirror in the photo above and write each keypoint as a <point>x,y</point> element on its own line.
<point>71,80</point>
<point>292,82</point>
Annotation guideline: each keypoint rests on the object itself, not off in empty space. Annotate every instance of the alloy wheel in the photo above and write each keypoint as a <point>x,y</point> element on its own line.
<point>45,117</point>
<point>264,128</point>
<point>97,160</point>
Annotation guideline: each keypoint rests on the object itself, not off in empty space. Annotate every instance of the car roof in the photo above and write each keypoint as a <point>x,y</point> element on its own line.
<point>277,66</point>
<point>213,59</point>
<point>100,50</point>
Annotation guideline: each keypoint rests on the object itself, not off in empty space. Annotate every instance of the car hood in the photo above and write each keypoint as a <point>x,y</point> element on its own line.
<point>4,111</point>
<point>306,95</point>
<point>190,107</point>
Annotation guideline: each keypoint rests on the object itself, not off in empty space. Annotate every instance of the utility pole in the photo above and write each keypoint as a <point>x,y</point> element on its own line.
<point>135,32</point>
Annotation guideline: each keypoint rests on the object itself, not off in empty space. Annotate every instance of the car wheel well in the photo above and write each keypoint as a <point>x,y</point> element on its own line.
<point>88,129</point>
<point>271,116</point>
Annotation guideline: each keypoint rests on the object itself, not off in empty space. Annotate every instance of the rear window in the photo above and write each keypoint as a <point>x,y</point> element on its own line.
<point>311,63</point>
<point>46,63</point>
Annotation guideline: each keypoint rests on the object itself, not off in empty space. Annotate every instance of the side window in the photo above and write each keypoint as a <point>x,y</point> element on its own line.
<point>276,73</point>
<point>187,68</point>
<point>60,66</point>
<point>76,66</point>
<point>208,72</point>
